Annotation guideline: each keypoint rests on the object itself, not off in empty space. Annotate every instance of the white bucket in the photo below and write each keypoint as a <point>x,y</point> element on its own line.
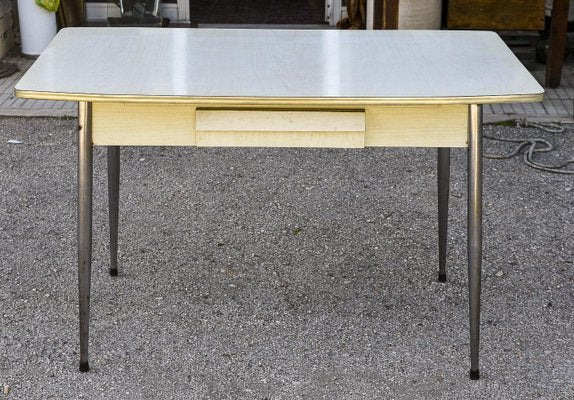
<point>420,14</point>
<point>37,27</point>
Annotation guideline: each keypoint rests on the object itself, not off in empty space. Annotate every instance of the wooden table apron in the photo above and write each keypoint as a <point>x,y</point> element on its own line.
<point>120,124</point>
<point>279,88</point>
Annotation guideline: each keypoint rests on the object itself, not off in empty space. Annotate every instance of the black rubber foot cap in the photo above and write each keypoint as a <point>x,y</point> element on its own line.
<point>442,278</point>
<point>84,367</point>
<point>113,272</point>
<point>474,375</point>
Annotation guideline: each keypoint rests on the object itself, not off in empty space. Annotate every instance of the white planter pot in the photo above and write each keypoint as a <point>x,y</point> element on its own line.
<point>37,27</point>
<point>420,14</point>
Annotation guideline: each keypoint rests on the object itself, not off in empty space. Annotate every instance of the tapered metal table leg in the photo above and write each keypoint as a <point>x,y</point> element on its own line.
<point>474,231</point>
<point>84,226</point>
<point>113,197</point>
<point>443,175</point>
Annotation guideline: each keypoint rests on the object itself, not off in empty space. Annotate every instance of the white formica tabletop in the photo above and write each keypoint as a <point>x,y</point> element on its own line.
<point>264,66</point>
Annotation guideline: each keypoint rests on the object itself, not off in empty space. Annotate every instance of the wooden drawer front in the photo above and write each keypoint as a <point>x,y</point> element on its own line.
<point>417,126</point>
<point>133,124</point>
<point>335,129</point>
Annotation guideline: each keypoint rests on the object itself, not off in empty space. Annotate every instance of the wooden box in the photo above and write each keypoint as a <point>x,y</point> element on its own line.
<point>6,34</point>
<point>496,14</point>
<point>5,7</point>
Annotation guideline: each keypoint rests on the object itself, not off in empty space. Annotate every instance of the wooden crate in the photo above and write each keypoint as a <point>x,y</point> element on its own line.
<point>5,7</point>
<point>6,34</point>
<point>496,14</point>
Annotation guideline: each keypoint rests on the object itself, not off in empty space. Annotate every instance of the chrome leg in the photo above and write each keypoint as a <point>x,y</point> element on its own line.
<point>84,225</point>
<point>443,176</point>
<point>113,200</point>
<point>474,231</point>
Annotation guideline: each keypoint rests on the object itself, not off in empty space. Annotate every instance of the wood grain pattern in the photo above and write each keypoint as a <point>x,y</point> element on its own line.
<point>278,67</point>
<point>391,14</point>
<point>555,56</point>
<point>128,124</point>
<point>496,14</point>
<point>422,126</point>
<point>308,139</point>
<point>272,120</point>
<point>378,14</point>
<point>257,128</point>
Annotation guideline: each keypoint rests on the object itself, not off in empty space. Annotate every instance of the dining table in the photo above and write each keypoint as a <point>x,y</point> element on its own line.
<point>281,88</point>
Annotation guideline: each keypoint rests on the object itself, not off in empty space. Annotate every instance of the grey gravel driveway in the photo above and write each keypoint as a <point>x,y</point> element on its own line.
<point>282,274</point>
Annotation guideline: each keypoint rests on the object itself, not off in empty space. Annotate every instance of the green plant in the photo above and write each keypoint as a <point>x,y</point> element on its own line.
<point>50,5</point>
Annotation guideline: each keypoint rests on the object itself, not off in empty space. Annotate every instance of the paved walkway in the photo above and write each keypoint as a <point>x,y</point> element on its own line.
<point>558,104</point>
<point>10,105</point>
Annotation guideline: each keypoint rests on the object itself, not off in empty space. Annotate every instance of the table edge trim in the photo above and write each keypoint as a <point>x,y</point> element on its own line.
<point>276,101</point>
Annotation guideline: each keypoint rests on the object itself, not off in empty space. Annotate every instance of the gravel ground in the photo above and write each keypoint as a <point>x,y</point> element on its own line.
<point>282,274</point>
